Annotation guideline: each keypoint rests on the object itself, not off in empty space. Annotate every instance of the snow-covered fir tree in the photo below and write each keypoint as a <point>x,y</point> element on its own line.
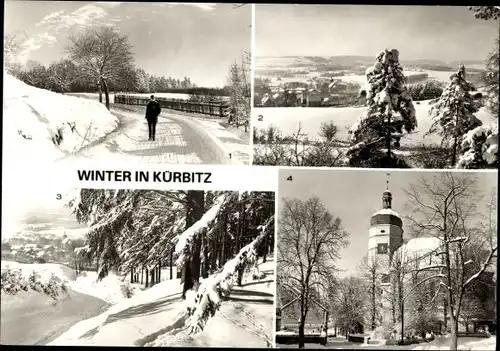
<point>389,114</point>
<point>453,113</point>
<point>479,148</point>
<point>214,236</point>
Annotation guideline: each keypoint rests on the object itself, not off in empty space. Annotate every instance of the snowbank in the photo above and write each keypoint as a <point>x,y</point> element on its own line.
<point>41,125</point>
<point>108,289</point>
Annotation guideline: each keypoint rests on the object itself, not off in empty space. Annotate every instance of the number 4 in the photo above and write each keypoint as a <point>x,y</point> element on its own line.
<point>289,178</point>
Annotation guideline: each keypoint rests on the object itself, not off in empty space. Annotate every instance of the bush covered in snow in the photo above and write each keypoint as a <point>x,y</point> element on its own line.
<point>14,281</point>
<point>127,290</point>
<point>479,148</point>
<point>429,90</point>
<point>389,114</point>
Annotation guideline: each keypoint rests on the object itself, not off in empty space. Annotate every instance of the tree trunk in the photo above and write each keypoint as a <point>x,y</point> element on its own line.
<point>106,92</point>
<point>206,262</point>
<point>195,210</point>
<point>171,263</point>
<point>301,333</point>
<point>454,333</point>
<point>223,245</point>
<point>131,276</point>
<point>455,146</point>
<point>147,276</point>
<point>100,92</point>
<point>159,271</point>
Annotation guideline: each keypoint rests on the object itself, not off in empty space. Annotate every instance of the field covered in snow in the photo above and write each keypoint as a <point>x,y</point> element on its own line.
<point>288,119</point>
<point>40,125</point>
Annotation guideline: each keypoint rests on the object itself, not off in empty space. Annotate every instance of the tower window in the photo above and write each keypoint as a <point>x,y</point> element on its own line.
<point>382,231</point>
<point>382,249</point>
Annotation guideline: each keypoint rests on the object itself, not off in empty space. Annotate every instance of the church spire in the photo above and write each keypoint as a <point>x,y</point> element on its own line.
<point>387,196</point>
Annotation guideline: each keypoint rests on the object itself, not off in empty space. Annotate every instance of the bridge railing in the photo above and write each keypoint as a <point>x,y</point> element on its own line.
<point>220,110</point>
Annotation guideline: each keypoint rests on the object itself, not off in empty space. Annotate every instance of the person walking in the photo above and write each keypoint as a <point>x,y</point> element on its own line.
<point>153,110</point>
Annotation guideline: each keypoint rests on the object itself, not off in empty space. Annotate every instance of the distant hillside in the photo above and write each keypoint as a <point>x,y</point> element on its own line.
<point>347,61</point>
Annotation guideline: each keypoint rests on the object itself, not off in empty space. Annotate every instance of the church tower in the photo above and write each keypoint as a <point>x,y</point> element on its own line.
<point>384,238</point>
<point>386,231</point>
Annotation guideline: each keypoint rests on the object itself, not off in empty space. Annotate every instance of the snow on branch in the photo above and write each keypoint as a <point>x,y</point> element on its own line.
<point>185,239</point>
<point>203,305</point>
<point>463,239</point>
<point>486,263</point>
<point>80,251</point>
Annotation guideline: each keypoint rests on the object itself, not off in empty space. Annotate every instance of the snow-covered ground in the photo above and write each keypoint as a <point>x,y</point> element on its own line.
<point>440,343</point>
<point>464,343</point>
<point>154,317</point>
<point>179,139</point>
<point>34,117</point>
<point>288,119</point>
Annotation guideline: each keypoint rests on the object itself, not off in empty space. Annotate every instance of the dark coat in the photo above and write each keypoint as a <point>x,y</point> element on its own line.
<point>153,109</point>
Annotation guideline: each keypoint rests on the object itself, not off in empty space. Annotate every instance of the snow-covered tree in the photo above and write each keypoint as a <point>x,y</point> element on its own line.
<point>239,91</point>
<point>453,113</point>
<point>389,114</point>
<point>102,53</point>
<point>446,206</point>
<point>62,74</point>
<point>351,302</point>
<point>310,239</point>
<point>491,79</point>
<point>479,148</point>
<point>371,271</point>
<point>486,12</point>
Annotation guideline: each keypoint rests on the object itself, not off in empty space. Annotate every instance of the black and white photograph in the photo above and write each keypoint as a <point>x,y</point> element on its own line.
<point>131,82</point>
<point>106,267</point>
<point>376,260</point>
<point>376,86</point>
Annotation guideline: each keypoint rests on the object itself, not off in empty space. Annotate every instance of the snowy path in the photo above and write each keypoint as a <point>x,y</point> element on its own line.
<point>179,140</point>
<point>441,343</point>
<point>156,317</point>
<point>31,318</point>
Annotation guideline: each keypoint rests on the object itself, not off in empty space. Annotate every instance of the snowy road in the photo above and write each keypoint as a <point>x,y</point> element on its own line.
<point>156,317</point>
<point>32,318</point>
<point>179,139</point>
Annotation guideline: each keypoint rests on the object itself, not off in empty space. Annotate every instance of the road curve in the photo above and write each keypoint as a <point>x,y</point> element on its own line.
<point>177,141</point>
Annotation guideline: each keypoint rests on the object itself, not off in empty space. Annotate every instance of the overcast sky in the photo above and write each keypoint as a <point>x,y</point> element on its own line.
<point>418,32</point>
<point>354,195</point>
<point>198,41</point>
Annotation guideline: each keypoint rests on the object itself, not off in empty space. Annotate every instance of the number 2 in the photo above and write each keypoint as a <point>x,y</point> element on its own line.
<point>260,118</point>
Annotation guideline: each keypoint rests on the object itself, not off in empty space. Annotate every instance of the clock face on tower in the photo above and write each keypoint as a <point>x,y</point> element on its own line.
<point>382,249</point>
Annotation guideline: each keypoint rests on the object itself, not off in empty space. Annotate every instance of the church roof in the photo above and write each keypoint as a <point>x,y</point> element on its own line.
<point>387,211</point>
<point>420,246</point>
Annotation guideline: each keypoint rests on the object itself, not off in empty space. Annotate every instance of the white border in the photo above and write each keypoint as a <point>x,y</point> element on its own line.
<point>252,83</point>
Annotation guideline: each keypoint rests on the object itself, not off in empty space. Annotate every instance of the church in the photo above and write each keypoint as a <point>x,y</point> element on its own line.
<point>396,260</point>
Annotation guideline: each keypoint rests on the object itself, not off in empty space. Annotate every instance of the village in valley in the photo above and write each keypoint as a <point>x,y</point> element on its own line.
<point>343,101</point>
